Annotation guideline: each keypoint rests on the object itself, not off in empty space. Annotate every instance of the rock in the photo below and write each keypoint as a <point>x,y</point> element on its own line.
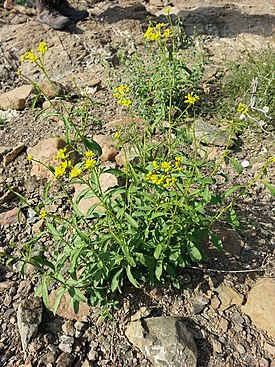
<point>108,146</point>
<point>68,328</point>
<point>65,360</point>
<point>3,151</point>
<point>38,226</point>
<point>106,180</point>
<point>199,303</point>
<point>128,154</point>
<point>10,156</point>
<point>66,344</point>
<point>164,341</point>
<point>80,326</point>
<point>44,152</point>
<point>66,310</point>
<point>260,305</point>
<point>270,349</point>
<point>86,363</point>
<point>229,297</point>
<point>210,134</point>
<point>223,324</point>
<point>52,89</point>
<point>141,313</point>
<point>8,195</point>
<point>29,316</point>
<point>232,241</point>
<point>16,98</point>
<point>215,302</point>
<point>11,217</point>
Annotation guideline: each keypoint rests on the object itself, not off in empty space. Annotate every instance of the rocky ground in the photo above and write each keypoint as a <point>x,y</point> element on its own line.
<point>228,304</point>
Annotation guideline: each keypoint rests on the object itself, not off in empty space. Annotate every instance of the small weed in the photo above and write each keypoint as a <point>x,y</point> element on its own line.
<point>154,222</point>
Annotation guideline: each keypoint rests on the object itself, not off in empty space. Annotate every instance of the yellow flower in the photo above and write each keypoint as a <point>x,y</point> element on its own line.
<point>61,154</point>
<point>155,165</point>
<point>160,25</point>
<point>161,180</point>
<point>66,164</point>
<point>242,109</point>
<point>90,163</point>
<point>75,172</point>
<point>169,182</point>
<point>117,135</point>
<point>125,102</point>
<point>42,47</point>
<point>19,72</point>
<point>89,154</point>
<point>166,166</point>
<point>166,33</point>
<point>167,10</point>
<point>43,214</point>
<point>191,99</point>
<point>30,158</point>
<point>154,179</point>
<point>59,171</point>
<point>148,176</point>
<point>29,55</point>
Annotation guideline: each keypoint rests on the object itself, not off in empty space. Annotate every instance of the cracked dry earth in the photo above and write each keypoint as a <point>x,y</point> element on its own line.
<point>229,313</point>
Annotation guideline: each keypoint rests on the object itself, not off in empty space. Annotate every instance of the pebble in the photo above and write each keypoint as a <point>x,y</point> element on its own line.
<point>66,344</point>
<point>223,324</point>
<point>92,355</point>
<point>68,328</point>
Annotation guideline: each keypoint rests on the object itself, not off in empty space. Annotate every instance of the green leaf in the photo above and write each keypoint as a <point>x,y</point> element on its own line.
<point>43,262</point>
<point>130,277</point>
<point>45,294</point>
<point>57,300</point>
<point>231,191</point>
<point>206,194</point>
<point>115,284</point>
<point>92,145</point>
<point>270,187</point>
<point>56,235</point>
<point>237,165</point>
<point>194,252</point>
<point>233,219</point>
<point>158,270</point>
<point>158,251</point>
<point>216,241</point>
<point>131,220</point>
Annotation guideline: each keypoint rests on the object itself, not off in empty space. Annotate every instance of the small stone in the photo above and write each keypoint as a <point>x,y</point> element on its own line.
<point>86,363</point>
<point>199,304</point>
<point>93,355</point>
<point>66,344</point>
<point>11,217</point>
<point>264,363</point>
<point>223,324</point>
<point>29,317</point>
<point>245,163</point>
<point>66,310</point>
<point>260,305</point>
<point>106,181</point>
<point>80,326</point>
<point>68,328</point>
<point>228,297</point>
<point>13,320</point>
<point>38,226</point>
<point>164,341</point>
<point>52,89</point>
<point>108,146</point>
<point>16,98</point>
<point>45,152</point>
<point>217,347</point>
<point>215,302</point>
<point>141,313</point>
<point>65,360</point>
<point>10,157</point>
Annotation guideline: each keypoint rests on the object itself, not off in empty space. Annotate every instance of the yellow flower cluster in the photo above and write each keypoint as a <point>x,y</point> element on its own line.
<point>242,109</point>
<point>43,214</point>
<point>161,174</point>
<point>31,56</point>
<point>120,95</point>
<point>191,99</point>
<point>156,33</point>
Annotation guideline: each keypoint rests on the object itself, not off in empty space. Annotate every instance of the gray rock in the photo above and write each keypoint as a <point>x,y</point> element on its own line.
<point>66,344</point>
<point>68,328</point>
<point>210,134</point>
<point>65,360</point>
<point>166,342</point>
<point>29,316</point>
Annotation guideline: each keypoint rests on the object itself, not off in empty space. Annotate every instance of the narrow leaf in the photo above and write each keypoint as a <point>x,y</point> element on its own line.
<point>130,277</point>
<point>270,187</point>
